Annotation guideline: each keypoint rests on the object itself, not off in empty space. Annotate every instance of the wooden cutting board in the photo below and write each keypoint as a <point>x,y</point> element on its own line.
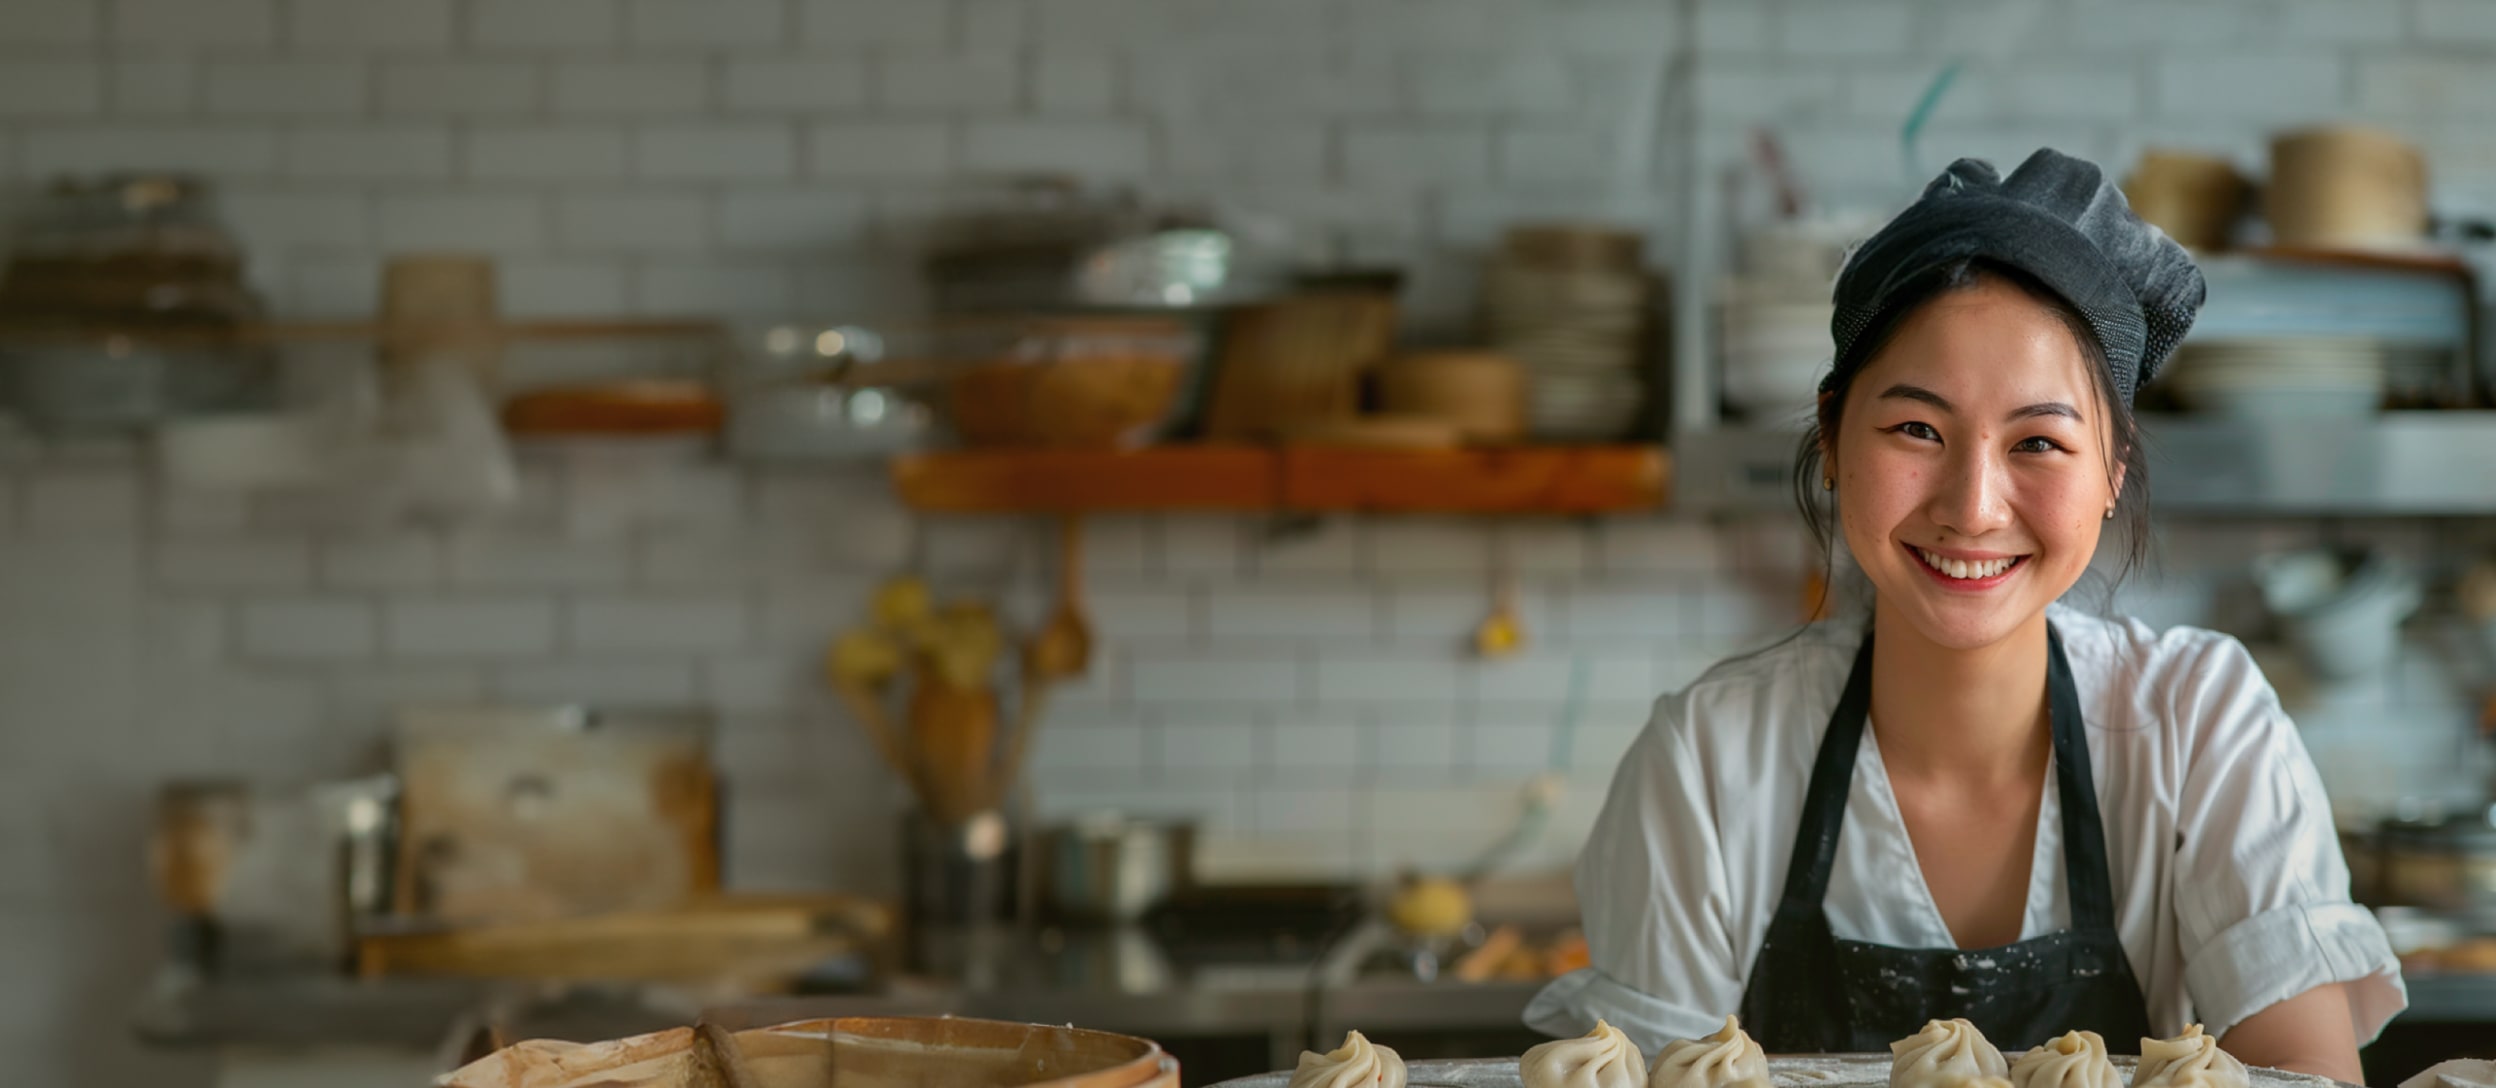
<point>753,939</point>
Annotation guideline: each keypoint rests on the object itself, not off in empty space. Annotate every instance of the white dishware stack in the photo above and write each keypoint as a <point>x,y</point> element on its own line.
<point>2317,377</point>
<point>2342,612</point>
<point>1573,305</point>
<point>1775,344</point>
<point>2295,340</point>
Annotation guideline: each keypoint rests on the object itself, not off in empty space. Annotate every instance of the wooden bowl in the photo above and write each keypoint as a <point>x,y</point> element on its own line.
<point>1093,402</point>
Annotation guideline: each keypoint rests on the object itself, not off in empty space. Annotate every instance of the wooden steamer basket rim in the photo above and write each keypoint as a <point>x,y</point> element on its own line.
<point>811,1054</point>
<point>1144,1063</point>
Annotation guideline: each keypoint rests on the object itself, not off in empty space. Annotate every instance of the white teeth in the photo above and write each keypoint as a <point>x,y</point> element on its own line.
<point>1963,568</point>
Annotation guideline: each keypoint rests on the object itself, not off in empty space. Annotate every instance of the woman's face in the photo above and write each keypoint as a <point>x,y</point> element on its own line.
<point>1974,465</point>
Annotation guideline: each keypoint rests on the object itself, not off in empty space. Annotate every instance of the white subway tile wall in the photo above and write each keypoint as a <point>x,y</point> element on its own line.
<point>1303,682</point>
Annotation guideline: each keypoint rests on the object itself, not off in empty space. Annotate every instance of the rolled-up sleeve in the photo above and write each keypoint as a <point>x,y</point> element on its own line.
<point>2262,892</point>
<point>1652,887</point>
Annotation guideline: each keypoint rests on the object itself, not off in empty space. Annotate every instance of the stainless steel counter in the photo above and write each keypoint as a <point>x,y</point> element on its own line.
<point>1289,1007</point>
<point>2463,999</point>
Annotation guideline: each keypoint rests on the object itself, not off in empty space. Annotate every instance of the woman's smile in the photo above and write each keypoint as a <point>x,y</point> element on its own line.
<point>1967,572</point>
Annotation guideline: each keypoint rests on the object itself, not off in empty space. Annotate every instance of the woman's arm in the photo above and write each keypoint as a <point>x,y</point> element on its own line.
<point>2308,1033</point>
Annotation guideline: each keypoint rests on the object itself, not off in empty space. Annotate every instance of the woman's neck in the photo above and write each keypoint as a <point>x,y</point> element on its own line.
<point>1978,715</point>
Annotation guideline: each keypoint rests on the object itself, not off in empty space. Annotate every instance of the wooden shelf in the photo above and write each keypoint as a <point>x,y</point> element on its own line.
<point>1510,480</point>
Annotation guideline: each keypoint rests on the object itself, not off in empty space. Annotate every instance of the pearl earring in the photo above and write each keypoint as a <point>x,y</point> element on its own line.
<point>1828,483</point>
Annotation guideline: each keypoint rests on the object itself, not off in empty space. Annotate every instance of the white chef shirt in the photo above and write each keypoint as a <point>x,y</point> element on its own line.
<point>2230,891</point>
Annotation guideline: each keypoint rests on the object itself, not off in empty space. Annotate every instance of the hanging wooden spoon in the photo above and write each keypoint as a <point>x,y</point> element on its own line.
<point>1061,651</point>
<point>1064,646</point>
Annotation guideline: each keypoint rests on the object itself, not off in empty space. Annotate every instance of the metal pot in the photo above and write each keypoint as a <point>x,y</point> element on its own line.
<point>1113,868</point>
<point>2445,863</point>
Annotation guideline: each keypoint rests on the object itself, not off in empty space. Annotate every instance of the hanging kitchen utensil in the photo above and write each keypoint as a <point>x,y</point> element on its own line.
<point>860,669</point>
<point>1065,643</point>
<point>1061,651</point>
<point>1502,633</point>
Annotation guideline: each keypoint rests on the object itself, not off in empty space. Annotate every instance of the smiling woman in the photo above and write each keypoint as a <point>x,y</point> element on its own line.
<point>1978,802</point>
<point>1987,449</point>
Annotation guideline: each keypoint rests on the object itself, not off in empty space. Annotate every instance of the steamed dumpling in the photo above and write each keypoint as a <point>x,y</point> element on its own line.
<point>2074,1059</point>
<point>2186,1061</point>
<point>1602,1058</point>
<point>1942,1055</point>
<point>1355,1064</point>
<point>1727,1059</point>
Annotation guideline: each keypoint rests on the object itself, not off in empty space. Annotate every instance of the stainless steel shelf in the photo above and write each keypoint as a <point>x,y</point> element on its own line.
<point>2397,464</point>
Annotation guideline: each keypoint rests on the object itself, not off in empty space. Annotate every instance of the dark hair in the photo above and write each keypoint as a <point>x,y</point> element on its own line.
<point>2131,503</point>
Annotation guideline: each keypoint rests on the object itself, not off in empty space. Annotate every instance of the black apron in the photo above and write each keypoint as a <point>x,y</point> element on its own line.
<point>1811,993</point>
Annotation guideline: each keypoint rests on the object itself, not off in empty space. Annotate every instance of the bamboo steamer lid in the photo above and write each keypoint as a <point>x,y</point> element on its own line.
<point>2194,197</point>
<point>2346,186</point>
<point>1482,393</point>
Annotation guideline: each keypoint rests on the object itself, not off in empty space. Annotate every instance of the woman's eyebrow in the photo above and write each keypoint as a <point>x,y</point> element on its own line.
<point>1904,391</point>
<point>2048,408</point>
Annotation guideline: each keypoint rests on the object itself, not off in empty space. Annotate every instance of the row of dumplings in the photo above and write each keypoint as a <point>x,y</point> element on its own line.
<point>1946,1054</point>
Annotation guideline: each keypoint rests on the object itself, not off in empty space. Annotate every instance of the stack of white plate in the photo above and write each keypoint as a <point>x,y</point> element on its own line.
<point>1775,351</point>
<point>2284,377</point>
<point>1581,333</point>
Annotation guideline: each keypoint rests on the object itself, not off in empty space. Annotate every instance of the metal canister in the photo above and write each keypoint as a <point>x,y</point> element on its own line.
<point>2445,863</point>
<point>1113,868</point>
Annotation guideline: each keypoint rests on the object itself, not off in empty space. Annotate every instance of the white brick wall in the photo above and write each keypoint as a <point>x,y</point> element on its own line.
<point>243,151</point>
<point>370,24</point>
<point>154,87</point>
<point>270,87</point>
<point>643,88</point>
<point>561,153</point>
<point>397,153</point>
<point>193,24</point>
<point>461,88</point>
<point>309,629</point>
<point>706,23</point>
<point>546,24</point>
<point>1098,148</point>
<point>470,626</point>
<point>762,158</point>
<point>611,222</point>
<point>462,221</point>
<point>909,82</point>
<point>879,149</point>
<point>816,83</point>
<point>37,89</point>
<point>716,152</point>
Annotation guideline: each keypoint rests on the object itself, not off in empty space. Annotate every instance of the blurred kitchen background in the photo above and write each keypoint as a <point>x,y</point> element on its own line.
<point>480,465</point>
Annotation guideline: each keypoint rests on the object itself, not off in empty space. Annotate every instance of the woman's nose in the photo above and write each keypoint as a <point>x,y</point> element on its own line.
<point>1974,494</point>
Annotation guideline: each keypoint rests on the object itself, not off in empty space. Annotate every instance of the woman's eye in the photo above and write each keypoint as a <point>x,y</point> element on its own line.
<point>2039,444</point>
<point>1923,431</point>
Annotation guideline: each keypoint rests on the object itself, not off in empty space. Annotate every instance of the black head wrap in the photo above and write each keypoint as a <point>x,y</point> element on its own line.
<point>2055,218</point>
